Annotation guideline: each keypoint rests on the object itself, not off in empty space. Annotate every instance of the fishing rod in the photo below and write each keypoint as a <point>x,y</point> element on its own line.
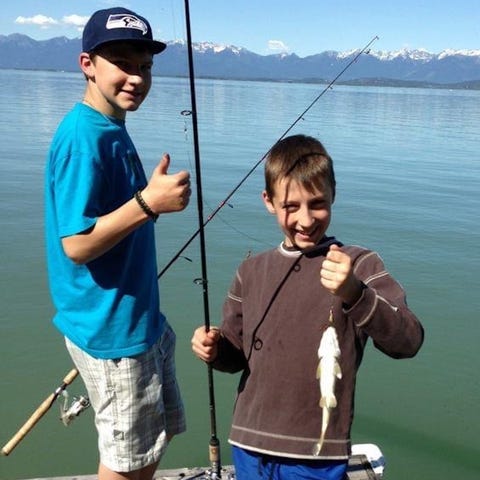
<point>67,415</point>
<point>214,444</point>
<point>224,202</point>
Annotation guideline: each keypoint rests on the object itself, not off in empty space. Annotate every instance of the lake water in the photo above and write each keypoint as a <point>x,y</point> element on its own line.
<point>408,171</point>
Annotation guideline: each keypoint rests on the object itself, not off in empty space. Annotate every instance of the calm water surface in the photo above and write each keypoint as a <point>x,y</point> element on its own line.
<point>408,171</point>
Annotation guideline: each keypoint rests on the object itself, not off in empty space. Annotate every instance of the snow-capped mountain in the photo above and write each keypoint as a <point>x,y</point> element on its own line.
<point>422,54</point>
<point>228,61</point>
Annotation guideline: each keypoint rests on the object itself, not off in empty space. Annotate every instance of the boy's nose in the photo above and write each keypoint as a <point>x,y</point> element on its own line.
<point>136,78</point>
<point>305,217</point>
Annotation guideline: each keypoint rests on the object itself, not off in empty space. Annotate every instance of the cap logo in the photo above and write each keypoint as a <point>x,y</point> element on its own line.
<point>123,20</point>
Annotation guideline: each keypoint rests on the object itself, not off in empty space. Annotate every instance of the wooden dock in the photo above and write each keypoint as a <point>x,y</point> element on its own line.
<point>359,468</point>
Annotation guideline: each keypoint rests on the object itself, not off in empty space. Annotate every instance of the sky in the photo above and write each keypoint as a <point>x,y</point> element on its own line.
<point>303,27</point>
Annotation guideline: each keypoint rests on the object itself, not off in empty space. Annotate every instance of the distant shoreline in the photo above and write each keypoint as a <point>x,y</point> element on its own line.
<point>357,82</point>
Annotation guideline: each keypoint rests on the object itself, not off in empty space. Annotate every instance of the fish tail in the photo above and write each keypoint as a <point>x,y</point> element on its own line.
<point>325,419</point>
<point>318,446</point>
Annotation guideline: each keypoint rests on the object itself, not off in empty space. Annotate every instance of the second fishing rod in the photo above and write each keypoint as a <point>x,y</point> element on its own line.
<point>214,443</point>
<point>225,201</point>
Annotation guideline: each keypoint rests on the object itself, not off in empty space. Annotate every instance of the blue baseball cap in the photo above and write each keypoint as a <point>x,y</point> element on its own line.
<point>118,24</point>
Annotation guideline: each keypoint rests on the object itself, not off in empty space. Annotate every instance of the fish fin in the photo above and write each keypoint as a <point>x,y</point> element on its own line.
<point>319,370</point>
<point>337,370</point>
<point>328,402</point>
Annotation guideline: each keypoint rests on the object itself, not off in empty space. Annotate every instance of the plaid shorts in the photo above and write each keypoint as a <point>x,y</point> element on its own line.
<point>137,403</point>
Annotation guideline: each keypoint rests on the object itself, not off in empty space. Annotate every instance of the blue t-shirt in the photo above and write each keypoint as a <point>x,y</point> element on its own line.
<point>108,307</point>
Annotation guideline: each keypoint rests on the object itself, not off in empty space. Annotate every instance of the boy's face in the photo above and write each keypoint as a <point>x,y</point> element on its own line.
<point>121,76</point>
<point>303,216</point>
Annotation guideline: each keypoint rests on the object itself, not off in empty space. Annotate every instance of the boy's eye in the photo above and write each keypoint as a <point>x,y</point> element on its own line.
<point>318,205</point>
<point>127,66</point>
<point>290,207</point>
<point>122,64</point>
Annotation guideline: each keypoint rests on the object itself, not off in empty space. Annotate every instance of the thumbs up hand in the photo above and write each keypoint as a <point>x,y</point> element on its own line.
<point>167,192</point>
<point>337,276</point>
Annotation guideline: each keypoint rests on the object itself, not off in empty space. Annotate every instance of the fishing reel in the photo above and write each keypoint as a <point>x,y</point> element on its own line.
<point>225,474</point>
<point>78,405</point>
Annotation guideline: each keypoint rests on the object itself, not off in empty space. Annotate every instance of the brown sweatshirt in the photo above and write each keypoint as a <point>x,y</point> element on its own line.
<point>273,318</point>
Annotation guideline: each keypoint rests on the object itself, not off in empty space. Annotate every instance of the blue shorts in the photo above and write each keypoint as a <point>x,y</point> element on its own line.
<point>258,466</point>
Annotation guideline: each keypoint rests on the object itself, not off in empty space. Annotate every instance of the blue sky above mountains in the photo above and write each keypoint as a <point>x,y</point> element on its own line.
<point>273,26</point>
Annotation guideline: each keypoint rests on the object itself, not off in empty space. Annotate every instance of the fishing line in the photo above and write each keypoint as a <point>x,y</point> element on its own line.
<point>187,113</point>
<point>173,21</point>
<point>365,49</point>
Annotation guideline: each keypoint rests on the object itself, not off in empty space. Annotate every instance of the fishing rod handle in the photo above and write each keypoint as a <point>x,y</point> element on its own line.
<point>38,414</point>
<point>214,456</point>
<point>28,425</point>
<point>70,377</point>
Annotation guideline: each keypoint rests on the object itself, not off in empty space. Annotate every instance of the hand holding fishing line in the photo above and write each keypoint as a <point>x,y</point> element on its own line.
<point>167,192</point>
<point>338,278</point>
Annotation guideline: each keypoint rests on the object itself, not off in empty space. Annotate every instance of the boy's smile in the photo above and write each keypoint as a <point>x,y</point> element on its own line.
<point>303,216</point>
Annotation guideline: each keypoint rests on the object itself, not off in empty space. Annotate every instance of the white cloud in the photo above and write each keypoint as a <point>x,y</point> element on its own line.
<point>75,20</point>
<point>44,22</point>
<point>40,20</point>
<point>277,46</point>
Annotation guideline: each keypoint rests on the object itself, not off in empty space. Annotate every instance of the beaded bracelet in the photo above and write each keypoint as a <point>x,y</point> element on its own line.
<point>144,206</point>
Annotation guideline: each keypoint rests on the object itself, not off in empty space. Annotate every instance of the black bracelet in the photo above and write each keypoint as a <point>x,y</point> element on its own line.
<point>144,206</point>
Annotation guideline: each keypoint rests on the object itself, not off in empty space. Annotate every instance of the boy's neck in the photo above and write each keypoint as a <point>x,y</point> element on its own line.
<point>319,249</point>
<point>94,100</point>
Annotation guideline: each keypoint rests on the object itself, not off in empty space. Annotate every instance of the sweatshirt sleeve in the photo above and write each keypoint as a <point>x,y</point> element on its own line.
<point>230,357</point>
<point>382,312</point>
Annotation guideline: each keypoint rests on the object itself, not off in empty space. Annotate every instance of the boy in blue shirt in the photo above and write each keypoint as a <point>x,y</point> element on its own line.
<point>100,214</point>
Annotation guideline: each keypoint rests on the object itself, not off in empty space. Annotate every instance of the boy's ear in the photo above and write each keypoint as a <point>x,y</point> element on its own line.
<point>268,202</point>
<point>86,65</point>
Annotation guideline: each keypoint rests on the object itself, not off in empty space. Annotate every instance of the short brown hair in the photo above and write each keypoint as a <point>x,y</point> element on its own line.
<point>301,158</point>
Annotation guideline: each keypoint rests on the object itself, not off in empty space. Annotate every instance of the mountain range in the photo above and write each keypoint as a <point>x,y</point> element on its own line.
<point>448,69</point>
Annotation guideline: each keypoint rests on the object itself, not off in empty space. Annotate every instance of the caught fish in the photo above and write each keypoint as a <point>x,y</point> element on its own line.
<point>328,372</point>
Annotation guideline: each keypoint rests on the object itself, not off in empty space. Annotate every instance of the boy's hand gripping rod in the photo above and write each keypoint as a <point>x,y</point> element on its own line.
<point>39,413</point>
